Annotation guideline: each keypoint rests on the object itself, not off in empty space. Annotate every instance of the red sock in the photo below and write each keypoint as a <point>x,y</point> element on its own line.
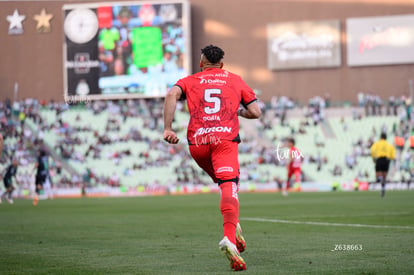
<point>229,206</point>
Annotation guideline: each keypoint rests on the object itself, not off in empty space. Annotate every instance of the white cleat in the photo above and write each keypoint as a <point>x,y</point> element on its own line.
<point>230,250</point>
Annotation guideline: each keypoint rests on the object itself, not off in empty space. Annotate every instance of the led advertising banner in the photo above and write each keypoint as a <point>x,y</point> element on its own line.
<point>125,49</point>
<point>306,44</point>
<point>380,40</point>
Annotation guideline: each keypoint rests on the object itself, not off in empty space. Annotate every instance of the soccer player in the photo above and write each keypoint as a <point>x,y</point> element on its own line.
<point>213,97</point>
<point>7,180</point>
<point>382,153</point>
<point>42,174</point>
<point>293,167</point>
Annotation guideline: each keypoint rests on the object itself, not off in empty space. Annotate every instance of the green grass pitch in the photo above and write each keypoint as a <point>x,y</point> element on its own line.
<point>180,234</point>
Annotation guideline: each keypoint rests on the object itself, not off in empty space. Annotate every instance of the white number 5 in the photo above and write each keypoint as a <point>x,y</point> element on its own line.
<point>208,97</point>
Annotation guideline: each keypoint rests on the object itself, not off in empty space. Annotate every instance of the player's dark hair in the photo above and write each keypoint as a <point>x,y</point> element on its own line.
<point>213,53</point>
<point>292,140</point>
<point>383,136</point>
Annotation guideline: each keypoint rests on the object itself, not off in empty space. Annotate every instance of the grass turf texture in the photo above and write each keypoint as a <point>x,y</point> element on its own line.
<point>180,235</point>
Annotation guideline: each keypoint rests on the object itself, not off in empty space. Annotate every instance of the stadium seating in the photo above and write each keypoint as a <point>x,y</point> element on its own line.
<point>335,149</point>
<point>151,162</point>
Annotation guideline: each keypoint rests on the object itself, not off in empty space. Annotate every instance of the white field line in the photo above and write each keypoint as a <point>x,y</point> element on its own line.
<point>328,223</point>
<point>356,215</point>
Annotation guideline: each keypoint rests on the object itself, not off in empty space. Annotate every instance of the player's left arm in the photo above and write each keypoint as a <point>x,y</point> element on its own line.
<point>170,104</point>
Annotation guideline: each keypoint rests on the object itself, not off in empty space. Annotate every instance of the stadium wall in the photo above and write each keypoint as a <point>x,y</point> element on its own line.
<point>34,60</point>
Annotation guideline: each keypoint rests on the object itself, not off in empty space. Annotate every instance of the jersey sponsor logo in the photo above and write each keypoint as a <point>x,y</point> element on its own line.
<point>225,74</point>
<point>211,118</point>
<point>224,169</point>
<point>219,129</point>
<point>213,81</point>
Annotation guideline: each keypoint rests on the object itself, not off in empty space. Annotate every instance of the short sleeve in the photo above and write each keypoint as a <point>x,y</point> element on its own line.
<point>247,94</point>
<point>182,84</point>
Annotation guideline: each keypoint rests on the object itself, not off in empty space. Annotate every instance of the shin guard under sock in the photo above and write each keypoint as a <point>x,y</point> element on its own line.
<point>229,206</point>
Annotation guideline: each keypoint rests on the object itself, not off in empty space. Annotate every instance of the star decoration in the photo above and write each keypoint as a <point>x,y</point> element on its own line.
<point>43,21</point>
<point>15,20</point>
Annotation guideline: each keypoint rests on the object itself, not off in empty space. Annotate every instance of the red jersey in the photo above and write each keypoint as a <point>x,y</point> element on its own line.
<point>295,158</point>
<point>213,98</point>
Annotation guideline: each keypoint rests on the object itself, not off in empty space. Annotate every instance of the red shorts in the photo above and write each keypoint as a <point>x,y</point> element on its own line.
<point>220,160</point>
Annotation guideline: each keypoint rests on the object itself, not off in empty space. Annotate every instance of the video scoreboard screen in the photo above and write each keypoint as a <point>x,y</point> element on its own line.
<point>125,49</point>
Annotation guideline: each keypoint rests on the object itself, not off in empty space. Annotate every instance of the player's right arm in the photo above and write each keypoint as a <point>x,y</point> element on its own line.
<point>252,112</point>
<point>248,100</point>
<point>169,109</point>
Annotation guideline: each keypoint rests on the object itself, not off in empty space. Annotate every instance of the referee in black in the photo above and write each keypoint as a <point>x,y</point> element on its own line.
<point>382,153</point>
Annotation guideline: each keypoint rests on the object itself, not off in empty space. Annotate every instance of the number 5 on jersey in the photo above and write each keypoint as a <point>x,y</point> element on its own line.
<point>210,97</point>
